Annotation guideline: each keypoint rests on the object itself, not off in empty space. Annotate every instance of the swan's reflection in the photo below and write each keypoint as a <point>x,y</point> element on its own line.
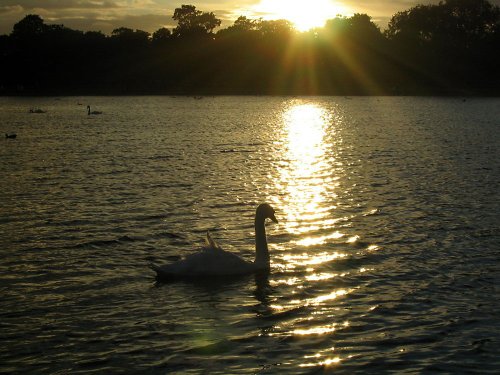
<point>262,289</point>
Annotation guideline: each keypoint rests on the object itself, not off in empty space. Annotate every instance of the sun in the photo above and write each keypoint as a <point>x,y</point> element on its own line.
<point>304,14</point>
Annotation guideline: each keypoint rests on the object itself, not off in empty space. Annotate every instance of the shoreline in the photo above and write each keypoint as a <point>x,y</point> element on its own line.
<point>493,92</point>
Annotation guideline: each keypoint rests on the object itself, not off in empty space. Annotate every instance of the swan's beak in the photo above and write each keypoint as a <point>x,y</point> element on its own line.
<point>273,218</point>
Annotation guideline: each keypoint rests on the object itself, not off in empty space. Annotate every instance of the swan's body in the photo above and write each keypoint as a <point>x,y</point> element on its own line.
<point>89,112</point>
<point>212,261</point>
<point>10,136</point>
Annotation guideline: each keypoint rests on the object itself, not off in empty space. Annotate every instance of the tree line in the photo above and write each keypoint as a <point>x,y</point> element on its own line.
<point>449,48</point>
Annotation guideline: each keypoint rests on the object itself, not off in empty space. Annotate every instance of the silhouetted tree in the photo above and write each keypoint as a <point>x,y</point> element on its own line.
<point>194,22</point>
<point>243,23</point>
<point>130,38</point>
<point>30,26</point>
<point>161,36</point>
<point>276,28</point>
<point>449,43</point>
<point>460,22</point>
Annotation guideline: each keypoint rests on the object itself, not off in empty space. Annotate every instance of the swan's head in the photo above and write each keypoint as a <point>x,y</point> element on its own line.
<point>265,211</point>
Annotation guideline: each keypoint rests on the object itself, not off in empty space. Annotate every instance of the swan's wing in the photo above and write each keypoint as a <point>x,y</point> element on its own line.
<point>205,263</point>
<point>210,243</point>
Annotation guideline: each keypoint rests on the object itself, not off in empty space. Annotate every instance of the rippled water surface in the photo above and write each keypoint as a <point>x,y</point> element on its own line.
<point>385,258</point>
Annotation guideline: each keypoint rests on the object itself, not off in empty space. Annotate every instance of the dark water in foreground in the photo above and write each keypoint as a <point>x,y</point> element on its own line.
<point>385,260</point>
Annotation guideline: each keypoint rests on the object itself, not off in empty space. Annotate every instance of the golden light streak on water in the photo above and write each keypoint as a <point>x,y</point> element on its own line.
<point>322,358</point>
<point>327,297</point>
<point>321,276</point>
<point>276,307</point>
<point>289,281</point>
<point>326,362</point>
<point>310,241</point>
<point>353,239</point>
<point>320,330</point>
<point>303,177</point>
<point>309,259</point>
<point>364,269</point>
<point>315,330</point>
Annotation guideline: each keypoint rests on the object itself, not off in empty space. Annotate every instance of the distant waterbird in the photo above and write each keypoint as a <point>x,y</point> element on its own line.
<point>212,261</point>
<point>89,112</point>
<point>37,110</point>
<point>11,136</point>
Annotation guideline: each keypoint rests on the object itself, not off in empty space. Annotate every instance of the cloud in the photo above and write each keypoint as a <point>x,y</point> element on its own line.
<point>63,4</point>
<point>147,22</point>
<point>9,9</point>
<point>86,15</point>
<point>388,8</point>
<point>107,15</point>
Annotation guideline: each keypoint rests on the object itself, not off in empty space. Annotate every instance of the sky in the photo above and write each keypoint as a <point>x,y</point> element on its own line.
<point>150,15</point>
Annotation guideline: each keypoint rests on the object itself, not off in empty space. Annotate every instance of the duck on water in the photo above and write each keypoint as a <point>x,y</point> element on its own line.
<point>37,110</point>
<point>89,112</point>
<point>212,261</point>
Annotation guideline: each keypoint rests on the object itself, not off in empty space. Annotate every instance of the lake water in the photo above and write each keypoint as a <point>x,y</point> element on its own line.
<point>385,258</point>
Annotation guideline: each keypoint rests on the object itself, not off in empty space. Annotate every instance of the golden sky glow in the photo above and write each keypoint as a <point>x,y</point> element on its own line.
<point>150,15</point>
<point>303,14</point>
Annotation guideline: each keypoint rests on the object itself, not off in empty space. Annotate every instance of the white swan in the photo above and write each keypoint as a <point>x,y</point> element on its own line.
<point>213,261</point>
<point>93,112</point>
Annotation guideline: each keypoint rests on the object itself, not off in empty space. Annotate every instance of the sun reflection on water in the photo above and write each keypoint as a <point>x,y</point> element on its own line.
<point>310,241</point>
<point>321,276</point>
<point>307,180</point>
<point>305,259</point>
<point>305,175</point>
<point>333,295</point>
<point>315,330</point>
<point>324,362</point>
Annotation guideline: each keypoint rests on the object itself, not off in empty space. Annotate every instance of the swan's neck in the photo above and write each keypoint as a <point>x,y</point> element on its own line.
<point>261,250</point>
